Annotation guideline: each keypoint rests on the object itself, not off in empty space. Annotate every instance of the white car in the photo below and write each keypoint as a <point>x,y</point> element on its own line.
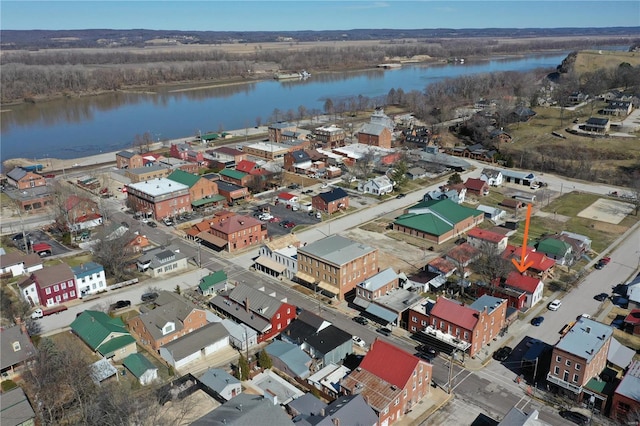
<point>553,306</point>
<point>325,185</point>
<point>358,341</point>
<point>265,216</point>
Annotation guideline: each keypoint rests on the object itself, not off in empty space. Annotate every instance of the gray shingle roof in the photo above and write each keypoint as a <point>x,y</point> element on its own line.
<point>171,308</point>
<point>217,379</point>
<point>196,340</point>
<point>17,173</point>
<point>22,351</point>
<point>585,339</point>
<point>336,249</point>
<point>372,129</point>
<point>245,409</point>
<point>15,408</point>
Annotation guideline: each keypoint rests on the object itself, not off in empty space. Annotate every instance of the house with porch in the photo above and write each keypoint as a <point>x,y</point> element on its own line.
<point>162,260</point>
<point>17,263</point>
<point>597,125</point>
<point>556,249</point>
<point>234,233</point>
<point>104,335</point>
<point>213,283</point>
<point>380,185</point>
<point>23,179</point>
<point>493,177</point>
<point>533,287</point>
<point>391,392</point>
<point>541,265</point>
<point>455,193</point>
<point>17,350</point>
<point>278,257</point>
<point>90,278</point>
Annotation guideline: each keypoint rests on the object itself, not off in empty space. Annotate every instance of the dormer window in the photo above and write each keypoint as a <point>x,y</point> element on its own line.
<point>16,346</point>
<point>168,328</point>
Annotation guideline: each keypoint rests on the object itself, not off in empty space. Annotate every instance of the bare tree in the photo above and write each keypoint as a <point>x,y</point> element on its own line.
<point>364,165</point>
<point>491,266</point>
<point>110,252</point>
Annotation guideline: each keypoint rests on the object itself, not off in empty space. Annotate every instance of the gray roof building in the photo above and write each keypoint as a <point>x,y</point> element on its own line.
<point>585,339</point>
<point>218,380</point>
<point>171,307</point>
<point>17,173</point>
<point>516,417</point>
<point>15,346</point>
<point>344,409</point>
<point>379,280</point>
<point>308,404</point>
<point>15,409</point>
<point>630,382</point>
<point>126,154</point>
<point>293,360</point>
<point>157,187</point>
<point>159,256</point>
<point>372,129</point>
<point>486,301</point>
<point>336,249</point>
<point>196,340</point>
<point>246,409</point>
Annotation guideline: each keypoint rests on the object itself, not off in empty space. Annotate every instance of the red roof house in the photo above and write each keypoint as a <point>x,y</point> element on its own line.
<point>236,232</point>
<point>532,286</point>
<point>632,322</point>
<point>484,239</point>
<point>541,266</point>
<point>463,254</point>
<point>245,166</point>
<point>477,186</point>
<point>391,392</point>
<point>442,266</point>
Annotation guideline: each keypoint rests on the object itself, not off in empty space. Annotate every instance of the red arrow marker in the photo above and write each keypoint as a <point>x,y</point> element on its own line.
<point>521,266</point>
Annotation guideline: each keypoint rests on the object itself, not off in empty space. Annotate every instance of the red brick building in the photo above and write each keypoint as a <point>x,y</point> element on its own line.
<point>391,392</point>
<point>541,265</point>
<point>199,187</point>
<point>159,197</point>
<point>236,233</point>
<point>477,187</point>
<point>331,201</point>
<point>129,160</point>
<point>185,152</point>
<point>22,179</point>
<point>626,399</point>
<point>375,134</point>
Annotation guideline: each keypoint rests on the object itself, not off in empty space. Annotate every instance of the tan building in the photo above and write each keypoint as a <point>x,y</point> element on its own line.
<point>268,150</point>
<point>330,136</point>
<point>579,356</point>
<point>336,264</point>
<point>276,130</point>
<point>142,174</point>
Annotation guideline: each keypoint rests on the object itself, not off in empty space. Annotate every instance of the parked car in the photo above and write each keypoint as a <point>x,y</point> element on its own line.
<point>358,341</point>
<point>308,191</point>
<point>149,297</point>
<point>284,223</point>
<point>361,320</point>
<point>384,331</point>
<point>428,350</point>
<point>120,304</point>
<point>575,417</point>
<point>537,321</point>
<point>152,224</point>
<point>401,195</point>
<point>318,215</point>
<point>167,221</point>
<point>555,305</point>
<point>603,262</point>
<point>20,236</point>
<point>601,297</point>
<point>290,225</point>
<point>460,241</point>
<point>502,354</point>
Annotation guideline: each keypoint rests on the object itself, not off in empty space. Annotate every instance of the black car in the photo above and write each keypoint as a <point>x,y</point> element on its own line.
<point>401,195</point>
<point>384,331</point>
<point>460,241</point>
<point>429,350</point>
<point>537,321</point>
<point>149,297</point>
<point>20,236</point>
<point>121,304</point>
<point>601,297</point>
<point>152,224</point>
<point>502,354</point>
<point>575,417</point>
<point>361,320</point>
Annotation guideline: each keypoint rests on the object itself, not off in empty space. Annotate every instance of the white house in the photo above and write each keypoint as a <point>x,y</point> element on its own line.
<point>493,177</point>
<point>221,382</point>
<point>380,185</point>
<point>18,263</point>
<point>457,194</point>
<point>193,346</point>
<point>279,257</point>
<point>492,213</point>
<point>532,286</point>
<point>90,278</point>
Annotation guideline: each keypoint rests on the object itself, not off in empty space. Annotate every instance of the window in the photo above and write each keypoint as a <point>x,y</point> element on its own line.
<point>556,370</point>
<point>568,362</point>
<point>577,366</point>
<point>575,378</point>
<point>72,293</point>
<point>64,285</point>
<point>56,288</point>
<point>424,323</point>
<point>278,316</point>
<point>16,346</point>
<point>558,359</point>
<point>397,401</point>
<point>414,319</point>
<point>47,290</point>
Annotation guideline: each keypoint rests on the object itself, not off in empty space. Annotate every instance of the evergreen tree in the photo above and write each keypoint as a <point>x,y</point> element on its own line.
<point>243,368</point>
<point>264,360</point>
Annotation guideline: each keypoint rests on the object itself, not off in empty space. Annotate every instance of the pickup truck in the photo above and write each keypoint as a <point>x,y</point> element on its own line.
<point>39,313</point>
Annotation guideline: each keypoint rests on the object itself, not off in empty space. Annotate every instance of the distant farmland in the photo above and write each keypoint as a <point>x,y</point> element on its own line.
<point>591,60</point>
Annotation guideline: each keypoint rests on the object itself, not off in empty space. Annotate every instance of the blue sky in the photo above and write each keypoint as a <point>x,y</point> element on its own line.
<point>243,15</point>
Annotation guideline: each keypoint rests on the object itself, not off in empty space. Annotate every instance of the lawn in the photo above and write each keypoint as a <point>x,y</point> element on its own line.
<point>571,204</point>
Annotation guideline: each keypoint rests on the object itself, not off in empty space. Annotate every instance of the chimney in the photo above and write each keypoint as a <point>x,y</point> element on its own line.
<point>246,304</point>
<point>336,421</point>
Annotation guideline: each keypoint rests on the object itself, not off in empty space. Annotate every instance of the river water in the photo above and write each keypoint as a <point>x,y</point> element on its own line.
<point>72,128</point>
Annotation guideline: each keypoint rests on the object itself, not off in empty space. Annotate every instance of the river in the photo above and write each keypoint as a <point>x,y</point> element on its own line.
<point>72,128</point>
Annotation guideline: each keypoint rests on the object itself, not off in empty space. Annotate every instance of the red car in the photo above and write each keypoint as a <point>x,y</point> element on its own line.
<point>603,262</point>
<point>289,225</point>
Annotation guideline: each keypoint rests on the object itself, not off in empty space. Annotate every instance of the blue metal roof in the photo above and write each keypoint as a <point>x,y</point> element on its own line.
<point>585,339</point>
<point>382,313</point>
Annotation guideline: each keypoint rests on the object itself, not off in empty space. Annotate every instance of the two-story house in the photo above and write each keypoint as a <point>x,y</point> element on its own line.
<point>90,278</point>
<point>391,392</point>
<point>17,349</point>
<point>297,161</point>
<point>173,317</point>
<point>579,356</point>
<point>279,257</point>
<point>331,201</point>
<point>49,286</point>
<point>487,241</point>
<point>235,233</point>
<point>23,179</point>
<point>161,197</point>
<point>493,177</point>
<point>185,152</point>
<point>79,213</point>
<point>376,286</point>
<point>266,313</point>
<point>335,264</point>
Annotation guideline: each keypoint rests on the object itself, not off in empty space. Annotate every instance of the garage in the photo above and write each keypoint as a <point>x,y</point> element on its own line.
<point>195,345</point>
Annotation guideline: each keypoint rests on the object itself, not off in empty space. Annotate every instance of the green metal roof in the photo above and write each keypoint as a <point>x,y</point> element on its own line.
<point>596,385</point>
<point>210,136</point>
<point>93,327</point>
<point>212,279</point>
<point>138,364</point>
<point>184,178</point>
<point>205,201</point>
<point>449,210</point>
<point>429,223</point>
<point>554,246</point>
<point>112,345</point>
<point>233,174</point>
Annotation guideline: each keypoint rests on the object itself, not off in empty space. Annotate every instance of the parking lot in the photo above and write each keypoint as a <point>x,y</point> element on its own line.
<point>39,236</point>
<point>282,215</point>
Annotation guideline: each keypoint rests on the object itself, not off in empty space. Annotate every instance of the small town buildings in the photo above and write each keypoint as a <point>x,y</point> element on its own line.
<point>160,261</point>
<point>331,201</point>
<point>473,326</point>
<point>287,198</point>
<point>199,187</point>
<point>491,213</point>
<point>195,345</point>
<point>463,255</point>
<point>326,380</point>
<point>231,192</point>
<point>455,193</point>
<point>235,177</point>
<point>632,322</point>
<point>90,278</point>
<point>213,283</point>
<point>141,368</point>
<point>266,313</point>
<point>347,407</point>
<point>267,150</point>
<point>487,241</point>
<point>336,264</point>
<point>579,356</point>
<point>375,134</point>
<point>104,335</point>
<point>235,233</point>
<point>173,317</point>
<point>137,243</point>
<point>17,350</point>
<point>227,156</point>
<point>626,401</point>
<point>437,221</point>
<point>23,179</point>
<point>159,197</point>
<point>518,177</point>
<point>391,392</point>
<point>380,185</point>
<point>330,136</point>
<point>129,160</point>
<point>15,409</point>
<point>580,243</point>
<point>556,249</point>
<point>185,152</point>
<point>533,287</point>
<point>222,383</point>
<point>145,173</point>
<point>493,177</point>
<point>477,187</point>
<point>415,173</point>
<point>49,286</point>
<point>279,257</point>
<point>177,164</point>
<point>290,359</point>
<point>541,265</point>
<point>617,107</point>
<point>297,161</point>
<point>377,285</point>
<point>79,213</point>
<point>17,263</point>
<point>255,411</point>
<point>36,199</point>
<point>275,130</point>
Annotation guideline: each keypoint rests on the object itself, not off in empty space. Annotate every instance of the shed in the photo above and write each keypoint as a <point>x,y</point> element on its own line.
<point>141,368</point>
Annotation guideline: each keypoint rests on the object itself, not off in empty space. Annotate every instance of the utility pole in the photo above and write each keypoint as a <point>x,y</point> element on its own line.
<point>450,387</point>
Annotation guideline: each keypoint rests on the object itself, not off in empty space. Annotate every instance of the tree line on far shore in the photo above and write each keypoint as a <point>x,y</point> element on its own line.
<point>35,75</point>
